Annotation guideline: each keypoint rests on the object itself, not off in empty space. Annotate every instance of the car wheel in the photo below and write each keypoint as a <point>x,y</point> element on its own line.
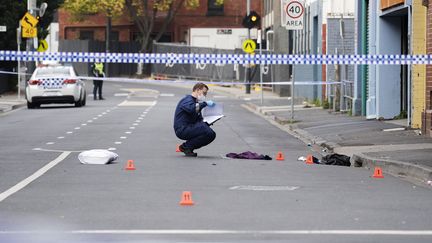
<point>32,105</point>
<point>78,103</point>
<point>83,103</point>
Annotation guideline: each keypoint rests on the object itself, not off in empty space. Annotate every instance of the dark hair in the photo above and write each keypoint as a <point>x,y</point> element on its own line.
<point>199,86</point>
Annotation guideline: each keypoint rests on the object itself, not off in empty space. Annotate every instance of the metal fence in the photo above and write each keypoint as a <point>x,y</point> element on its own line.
<point>213,72</point>
<point>114,69</point>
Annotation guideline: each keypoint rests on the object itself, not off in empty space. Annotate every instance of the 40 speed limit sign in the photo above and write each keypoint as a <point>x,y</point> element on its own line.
<point>292,12</point>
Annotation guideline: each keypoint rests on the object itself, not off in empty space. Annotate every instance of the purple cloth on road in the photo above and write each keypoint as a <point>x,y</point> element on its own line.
<point>248,155</point>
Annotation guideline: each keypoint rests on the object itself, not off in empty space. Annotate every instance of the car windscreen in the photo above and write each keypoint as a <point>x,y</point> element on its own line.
<point>50,72</point>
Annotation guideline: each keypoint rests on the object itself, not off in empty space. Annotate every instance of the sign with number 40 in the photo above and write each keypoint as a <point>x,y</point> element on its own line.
<point>292,13</point>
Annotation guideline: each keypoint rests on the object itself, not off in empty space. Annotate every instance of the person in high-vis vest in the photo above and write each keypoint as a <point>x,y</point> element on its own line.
<point>98,71</point>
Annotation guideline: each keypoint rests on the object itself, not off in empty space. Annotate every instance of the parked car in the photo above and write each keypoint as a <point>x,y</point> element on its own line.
<point>55,84</point>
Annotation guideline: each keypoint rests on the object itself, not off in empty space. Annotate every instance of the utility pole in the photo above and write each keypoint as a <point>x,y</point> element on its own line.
<point>247,70</point>
<point>108,39</point>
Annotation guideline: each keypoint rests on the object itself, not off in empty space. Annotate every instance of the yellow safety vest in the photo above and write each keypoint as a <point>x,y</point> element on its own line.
<point>99,67</point>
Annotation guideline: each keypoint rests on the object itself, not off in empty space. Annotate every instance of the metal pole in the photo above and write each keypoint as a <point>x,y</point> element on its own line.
<point>19,63</point>
<point>247,70</point>
<point>290,33</point>
<point>261,69</point>
<point>108,39</point>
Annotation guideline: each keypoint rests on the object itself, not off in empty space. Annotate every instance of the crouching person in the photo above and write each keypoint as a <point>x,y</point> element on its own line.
<point>188,121</point>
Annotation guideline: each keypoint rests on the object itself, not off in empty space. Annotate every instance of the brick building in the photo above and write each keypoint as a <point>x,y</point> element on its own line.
<point>208,15</point>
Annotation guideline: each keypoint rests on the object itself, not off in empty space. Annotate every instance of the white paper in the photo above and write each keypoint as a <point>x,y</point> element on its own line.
<point>212,114</point>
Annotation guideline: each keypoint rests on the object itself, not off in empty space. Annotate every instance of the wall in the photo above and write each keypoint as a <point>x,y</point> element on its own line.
<point>418,71</point>
<point>388,85</point>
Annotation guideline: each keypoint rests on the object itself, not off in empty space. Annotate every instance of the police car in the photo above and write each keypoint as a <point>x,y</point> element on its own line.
<point>55,84</point>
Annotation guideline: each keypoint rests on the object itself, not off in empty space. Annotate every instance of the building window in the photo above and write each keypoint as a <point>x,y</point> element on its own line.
<point>86,35</point>
<point>214,9</point>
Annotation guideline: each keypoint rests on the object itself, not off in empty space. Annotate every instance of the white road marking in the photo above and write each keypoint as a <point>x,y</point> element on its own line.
<point>37,149</point>
<point>140,118</point>
<point>103,113</point>
<point>265,188</point>
<point>77,128</point>
<point>33,177</point>
<point>128,132</point>
<point>135,124</point>
<point>69,132</point>
<point>166,95</point>
<point>84,124</point>
<point>99,115</point>
<point>117,142</point>
<point>394,129</point>
<point>137,103</point>
<point>49,143</point>
<point>112,149</point>
<point>123,137</point>
<point>137,121</point>
<point>132,128</point>
<point>121,94</point>
<point>232,232</point>
<point>90,121</point>
<point>60,137</point>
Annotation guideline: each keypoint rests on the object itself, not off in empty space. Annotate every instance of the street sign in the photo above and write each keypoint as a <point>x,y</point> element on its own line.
<point>29,32</point>
<point>43,46</point>
<point>29,21</point>
<point>292,13</point>
<point>249,46</point>
<point>3,28</point>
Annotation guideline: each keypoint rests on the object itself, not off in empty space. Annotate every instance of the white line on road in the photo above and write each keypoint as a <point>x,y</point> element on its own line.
<point>265,188</point>
<point>69,132</point>
<point>233,232</point>
<point>49,143</point>
<point>33,177</point>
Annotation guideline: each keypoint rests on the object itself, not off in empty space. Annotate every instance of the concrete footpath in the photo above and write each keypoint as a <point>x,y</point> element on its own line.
<point>10,101</point>
<point>391,145</point>
<point>398,150</point>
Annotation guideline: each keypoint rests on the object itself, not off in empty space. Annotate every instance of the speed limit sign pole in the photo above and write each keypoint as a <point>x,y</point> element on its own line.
<point>292,14</point>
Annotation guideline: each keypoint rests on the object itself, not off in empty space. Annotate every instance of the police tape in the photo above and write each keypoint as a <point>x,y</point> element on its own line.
<point>187,81</point>
<point>193,58</point>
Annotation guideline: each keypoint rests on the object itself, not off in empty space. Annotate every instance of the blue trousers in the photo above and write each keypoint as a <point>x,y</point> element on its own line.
<point>196,135</point>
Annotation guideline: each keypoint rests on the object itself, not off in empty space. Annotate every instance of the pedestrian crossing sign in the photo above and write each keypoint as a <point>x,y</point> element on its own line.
<point>249,46</point>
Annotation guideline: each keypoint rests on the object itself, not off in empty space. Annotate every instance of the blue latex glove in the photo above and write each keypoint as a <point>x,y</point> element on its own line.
<point>210,103</point>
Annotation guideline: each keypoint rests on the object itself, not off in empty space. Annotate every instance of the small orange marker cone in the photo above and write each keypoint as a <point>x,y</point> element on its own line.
<point>186,199</point>
<point>309,160</point>
<point>178,148</point>
<point>280,156</point>
<point>378,173</point>
<point>130,165</point>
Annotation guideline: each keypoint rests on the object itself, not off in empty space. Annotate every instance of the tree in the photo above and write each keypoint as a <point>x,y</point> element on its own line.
<point>142,12</point>
<point>12,11</point>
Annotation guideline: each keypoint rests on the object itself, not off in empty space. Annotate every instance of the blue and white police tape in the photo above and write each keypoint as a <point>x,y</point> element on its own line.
<point>187,81</point>
<point>191,58</point>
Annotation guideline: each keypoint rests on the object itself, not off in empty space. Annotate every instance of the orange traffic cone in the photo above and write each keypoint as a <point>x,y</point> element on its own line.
<point>178,148</point>
<point>280,156</point>
<point>378,173</point>
<point>309,159</point>
<point>186,199</point>
<point>130,165</point>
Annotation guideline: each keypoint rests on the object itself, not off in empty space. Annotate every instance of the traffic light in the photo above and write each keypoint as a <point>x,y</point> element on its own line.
<point>252,20</point>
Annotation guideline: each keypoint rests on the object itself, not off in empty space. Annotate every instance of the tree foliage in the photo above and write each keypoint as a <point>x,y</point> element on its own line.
<point>11,13</point>
<point>81,8</point>
<point>142,12</point>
